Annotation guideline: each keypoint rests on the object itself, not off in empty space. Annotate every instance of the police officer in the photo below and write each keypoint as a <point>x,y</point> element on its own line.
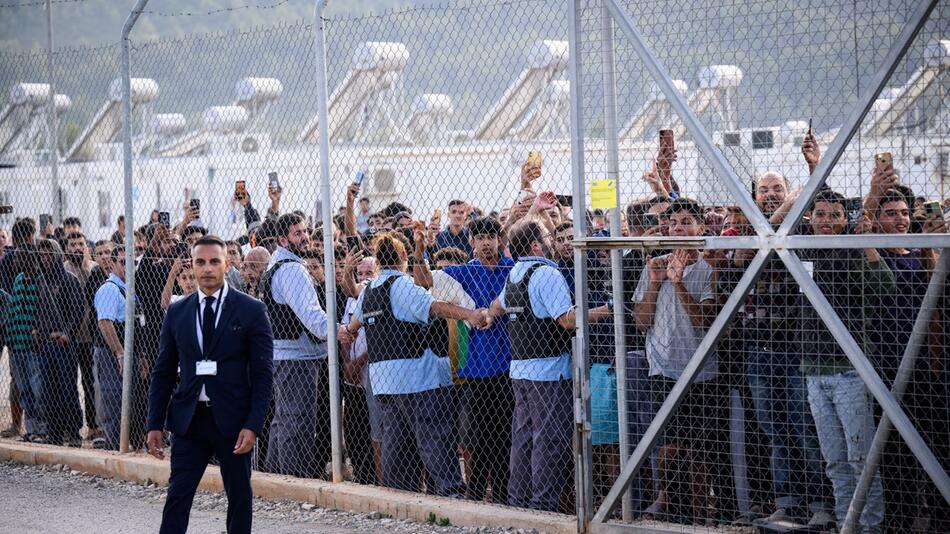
<point>409,370</point>
<point>108,352</point>
<point>299,434</point>
<point>541,323</point>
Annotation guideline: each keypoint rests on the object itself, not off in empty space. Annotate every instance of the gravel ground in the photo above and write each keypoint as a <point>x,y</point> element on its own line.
<point>54,499</point>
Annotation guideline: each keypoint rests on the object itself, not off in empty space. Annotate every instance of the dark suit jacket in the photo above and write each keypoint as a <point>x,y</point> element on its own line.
<point>243,346</point>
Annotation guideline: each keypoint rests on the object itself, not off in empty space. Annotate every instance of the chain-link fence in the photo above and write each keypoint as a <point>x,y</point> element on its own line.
<point>711,383</point>
<point>775,427</point>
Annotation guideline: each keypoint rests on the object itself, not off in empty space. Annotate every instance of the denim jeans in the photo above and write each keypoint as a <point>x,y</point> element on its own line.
<point>779,397</point>
<point>844,419</point>
<point>31,375</point>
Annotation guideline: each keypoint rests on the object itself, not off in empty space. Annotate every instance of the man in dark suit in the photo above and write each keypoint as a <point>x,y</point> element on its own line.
<point>221,340</point>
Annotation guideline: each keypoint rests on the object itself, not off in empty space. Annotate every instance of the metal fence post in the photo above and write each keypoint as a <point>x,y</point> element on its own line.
<point>616,257</point>
<point>52,144</point>
<point>583,455</point>
<point>904,375</point>
<point>129,356</point>
<point>333,363</point>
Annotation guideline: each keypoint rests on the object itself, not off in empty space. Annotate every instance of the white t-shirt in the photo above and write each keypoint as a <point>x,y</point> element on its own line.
<point>359,346</point>
<point>672,339</point>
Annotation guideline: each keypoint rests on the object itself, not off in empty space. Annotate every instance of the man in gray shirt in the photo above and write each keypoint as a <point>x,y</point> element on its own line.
<point>674,305</point>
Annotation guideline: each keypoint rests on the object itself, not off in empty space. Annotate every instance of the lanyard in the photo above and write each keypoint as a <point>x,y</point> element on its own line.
<point>216,308</point>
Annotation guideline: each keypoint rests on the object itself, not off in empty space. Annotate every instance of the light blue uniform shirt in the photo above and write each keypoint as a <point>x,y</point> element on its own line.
<point>550,298</point>
<point>109,302</point>
<point>411,303</point>
<point>292,285</point>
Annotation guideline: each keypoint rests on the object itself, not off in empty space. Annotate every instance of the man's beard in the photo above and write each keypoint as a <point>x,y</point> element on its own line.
<point>296,249</point>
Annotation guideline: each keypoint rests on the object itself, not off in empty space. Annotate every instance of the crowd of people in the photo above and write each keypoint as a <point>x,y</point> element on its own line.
<point>455,347</point>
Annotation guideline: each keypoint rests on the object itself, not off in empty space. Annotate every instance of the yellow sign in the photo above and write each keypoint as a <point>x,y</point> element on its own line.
<point>603,194</point>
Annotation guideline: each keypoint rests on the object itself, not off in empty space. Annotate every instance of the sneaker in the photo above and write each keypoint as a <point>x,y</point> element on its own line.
<point>821,519</point>
<point>921,524</point>
<point>26,438</point>
<point>782,515</point>
<point>40,439</point>
<point>746,519</point>
<point>98,443</point>
<point>10,432</point>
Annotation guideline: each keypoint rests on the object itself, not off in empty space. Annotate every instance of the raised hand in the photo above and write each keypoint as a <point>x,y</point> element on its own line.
<point>676,266</point>
<point>529,173</point>
<point>653,180</point>
<point>935,225</point>
<point>545,201</point>
<point>882,179</point>
<point>352,192</point>
<point>353,257</point>
<point>811,151</point>
<point>657,268</point>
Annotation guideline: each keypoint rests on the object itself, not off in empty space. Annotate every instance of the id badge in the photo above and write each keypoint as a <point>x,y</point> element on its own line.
<point>206,368</point>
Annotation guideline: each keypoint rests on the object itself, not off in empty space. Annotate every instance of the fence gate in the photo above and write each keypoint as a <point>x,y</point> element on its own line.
<point>787,314</point>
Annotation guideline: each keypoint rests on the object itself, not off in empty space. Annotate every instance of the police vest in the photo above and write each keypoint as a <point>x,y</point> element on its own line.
<point>285,322</point>
<point>388,338</point>
<point>120,325</point>
<point>532,337</point>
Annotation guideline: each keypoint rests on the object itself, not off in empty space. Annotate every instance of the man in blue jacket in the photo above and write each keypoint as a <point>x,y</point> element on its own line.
<point>221,340</point>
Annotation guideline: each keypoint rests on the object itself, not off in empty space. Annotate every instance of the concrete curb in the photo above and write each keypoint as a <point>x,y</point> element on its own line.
<point>343,496</point>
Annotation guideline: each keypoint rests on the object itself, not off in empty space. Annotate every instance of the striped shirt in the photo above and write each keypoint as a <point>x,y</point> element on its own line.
<point>21,314</point>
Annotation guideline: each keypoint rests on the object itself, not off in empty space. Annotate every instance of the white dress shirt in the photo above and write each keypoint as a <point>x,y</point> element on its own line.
<point>219,297</point>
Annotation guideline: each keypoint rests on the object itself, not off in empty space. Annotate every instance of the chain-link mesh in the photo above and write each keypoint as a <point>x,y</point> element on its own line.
<point>451,201</point>
<point>777,425</point>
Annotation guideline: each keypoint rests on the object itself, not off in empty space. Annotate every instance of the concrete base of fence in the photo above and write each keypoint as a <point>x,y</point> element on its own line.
<point>343,496</point>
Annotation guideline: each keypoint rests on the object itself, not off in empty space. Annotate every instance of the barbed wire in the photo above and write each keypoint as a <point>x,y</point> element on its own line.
<point>274,5</point>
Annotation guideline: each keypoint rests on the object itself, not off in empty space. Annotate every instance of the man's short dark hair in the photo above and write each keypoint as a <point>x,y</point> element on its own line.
<point>484,226</point>
<point>210,240</point>
<point>23,231</point>
<point>286,221</point>
<point>75,235</point>
<point>563,226</point>
<point>453,255</point>
<point>114,255</point>
<point>909,196</point>
<point>830,197</point>
<point>394,208</point>
<point>635,213</point>
<point>228,244</point>
<point>893,195</point>
<point>102,242</point>
<point>522,237</point>
<point>456,202</point>
<point>72,221</point>
<point>364,199</point>
<point>689,205</point>
<point>189,230</point>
